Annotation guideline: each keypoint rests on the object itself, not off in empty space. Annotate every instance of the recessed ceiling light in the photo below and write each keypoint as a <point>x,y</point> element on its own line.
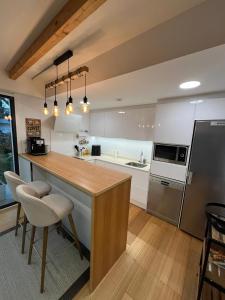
<point>196,101</point>
<point>189,85</point>
<point>121,112</point>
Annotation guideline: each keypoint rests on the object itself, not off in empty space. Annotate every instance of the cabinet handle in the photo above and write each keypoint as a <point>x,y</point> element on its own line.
<point>189,177</point>
<point>165,183</point>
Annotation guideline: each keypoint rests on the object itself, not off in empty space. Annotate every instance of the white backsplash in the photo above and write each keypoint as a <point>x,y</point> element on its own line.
<point>125,148</point>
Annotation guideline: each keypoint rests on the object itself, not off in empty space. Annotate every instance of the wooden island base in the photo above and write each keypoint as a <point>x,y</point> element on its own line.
<point>109,230</point>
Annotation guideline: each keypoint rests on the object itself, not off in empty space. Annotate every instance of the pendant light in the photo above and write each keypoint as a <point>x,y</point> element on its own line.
<point>45,106</point>
<point>67,111</point>
<point>70,100</point>
<point>85,103</point>
<point>70,104</point>
<point>55,107</point>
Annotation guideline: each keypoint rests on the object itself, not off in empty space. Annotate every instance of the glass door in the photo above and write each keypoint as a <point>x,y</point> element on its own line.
<point>8,147</point>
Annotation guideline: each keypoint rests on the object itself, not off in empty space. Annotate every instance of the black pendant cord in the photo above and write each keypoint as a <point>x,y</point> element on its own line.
<point>55,102</point>
<point>85,100</point>
<point>70,98</point>
<point>45,104</point>
<point>85,83</point>
<point>45,96</point>
<point>67,93</point>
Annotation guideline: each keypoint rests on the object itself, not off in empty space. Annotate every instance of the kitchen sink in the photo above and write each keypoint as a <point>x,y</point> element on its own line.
<point>136,164</point>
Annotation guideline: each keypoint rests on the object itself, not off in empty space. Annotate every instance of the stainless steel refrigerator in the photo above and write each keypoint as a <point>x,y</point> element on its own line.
<point>206,175</point>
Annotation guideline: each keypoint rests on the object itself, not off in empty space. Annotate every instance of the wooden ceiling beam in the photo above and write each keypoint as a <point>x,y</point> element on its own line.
<point>70,16</point>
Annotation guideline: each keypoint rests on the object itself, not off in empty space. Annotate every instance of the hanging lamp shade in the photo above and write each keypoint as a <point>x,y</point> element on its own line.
<point>45,110</point>
<point>84,103</point>
<point>55,107</point>
<point>67,111</point>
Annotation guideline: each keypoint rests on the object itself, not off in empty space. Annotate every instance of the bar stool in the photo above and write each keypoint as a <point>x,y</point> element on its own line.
<point>43,213</point>
<point>40,187</point>
<point>213,251</point>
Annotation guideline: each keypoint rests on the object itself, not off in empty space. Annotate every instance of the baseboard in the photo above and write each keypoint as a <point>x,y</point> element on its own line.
<point>137,203</point>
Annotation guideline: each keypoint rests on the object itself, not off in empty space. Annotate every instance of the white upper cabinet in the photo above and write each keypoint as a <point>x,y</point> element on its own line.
<point>140,123</point>
<point>133,123</point>
<point>115,124</point>
<point>210,109</point>
<point>97,123</point>
<point>174,123</point>
<point>68,124</point>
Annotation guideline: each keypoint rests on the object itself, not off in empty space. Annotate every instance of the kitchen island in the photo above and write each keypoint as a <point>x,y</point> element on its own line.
<point>101,198</point>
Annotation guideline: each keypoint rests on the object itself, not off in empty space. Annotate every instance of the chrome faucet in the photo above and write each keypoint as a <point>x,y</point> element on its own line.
<point>141,160</point>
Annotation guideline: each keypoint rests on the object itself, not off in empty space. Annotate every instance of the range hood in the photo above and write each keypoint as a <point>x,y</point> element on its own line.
<point>69,124</point>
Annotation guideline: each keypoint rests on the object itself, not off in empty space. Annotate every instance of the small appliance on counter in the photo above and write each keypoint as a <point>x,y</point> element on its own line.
<point>36,146</point>
<point>96,150</point>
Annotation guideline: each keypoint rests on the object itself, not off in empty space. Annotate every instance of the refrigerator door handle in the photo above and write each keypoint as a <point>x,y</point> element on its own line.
<point>189,177</point>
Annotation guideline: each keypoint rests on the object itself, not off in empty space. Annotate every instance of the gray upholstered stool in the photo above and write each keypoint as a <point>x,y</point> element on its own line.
<point>40,187</point>
<point>44,212</point>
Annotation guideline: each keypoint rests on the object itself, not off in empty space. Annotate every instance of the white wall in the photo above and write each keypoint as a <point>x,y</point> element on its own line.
<point>32,107</point>
<point>22,85</point>
<point>126,148</point>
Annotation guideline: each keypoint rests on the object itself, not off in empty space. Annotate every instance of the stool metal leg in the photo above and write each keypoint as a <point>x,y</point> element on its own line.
<point>43,263</point>
<point>72,225</point>
<point>203,271</point>
<point>24,233</point>
<point>17,217</point>
<point>31,244</point>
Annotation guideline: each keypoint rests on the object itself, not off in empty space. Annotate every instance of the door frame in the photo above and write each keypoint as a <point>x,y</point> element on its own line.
<point>14,140</point>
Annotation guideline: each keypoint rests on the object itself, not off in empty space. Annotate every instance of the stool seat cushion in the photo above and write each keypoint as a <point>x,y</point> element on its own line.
<point>59,204</point>
<point>40,187</point>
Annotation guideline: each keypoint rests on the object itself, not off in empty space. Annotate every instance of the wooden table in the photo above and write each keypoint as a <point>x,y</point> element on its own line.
<point>110,194</point>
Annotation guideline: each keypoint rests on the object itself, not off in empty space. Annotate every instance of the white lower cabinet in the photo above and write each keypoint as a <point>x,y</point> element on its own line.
<point>139,183</point>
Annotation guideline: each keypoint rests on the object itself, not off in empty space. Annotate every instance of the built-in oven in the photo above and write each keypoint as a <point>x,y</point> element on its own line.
<point>176,154</point>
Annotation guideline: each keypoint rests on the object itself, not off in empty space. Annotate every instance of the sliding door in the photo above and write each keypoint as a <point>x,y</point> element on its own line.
<point>8,147</point>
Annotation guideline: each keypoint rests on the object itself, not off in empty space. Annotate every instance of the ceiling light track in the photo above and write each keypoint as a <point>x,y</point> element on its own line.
<point>65,56</point>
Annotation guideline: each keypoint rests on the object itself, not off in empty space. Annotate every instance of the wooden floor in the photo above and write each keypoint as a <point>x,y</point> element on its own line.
<point>7,218</point>
<point>161,262</point>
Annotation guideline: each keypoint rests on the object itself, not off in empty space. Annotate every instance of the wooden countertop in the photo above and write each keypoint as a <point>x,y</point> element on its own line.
<point>83,175</point>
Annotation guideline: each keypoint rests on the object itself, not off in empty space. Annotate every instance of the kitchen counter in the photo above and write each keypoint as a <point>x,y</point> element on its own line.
<point>101,200</point>
<point>84,176</point>
<point>122,161</point>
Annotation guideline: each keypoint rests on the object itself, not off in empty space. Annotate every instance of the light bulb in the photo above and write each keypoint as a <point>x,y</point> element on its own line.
<point>67,112</point>
<point>70,107</point>
<point>55,111</point>
<point>84,108</point>
<point>45,111</point>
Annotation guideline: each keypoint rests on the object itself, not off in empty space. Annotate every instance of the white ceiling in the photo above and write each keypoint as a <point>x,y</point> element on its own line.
<point>20,22</point>
<point>112,24</point>
<point>159,81</point>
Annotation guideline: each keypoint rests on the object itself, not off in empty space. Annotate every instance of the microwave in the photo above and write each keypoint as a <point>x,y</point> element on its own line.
<point>175,154</point>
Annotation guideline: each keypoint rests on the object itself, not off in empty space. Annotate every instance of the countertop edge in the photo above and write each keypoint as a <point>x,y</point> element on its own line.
<point>23,155</point>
